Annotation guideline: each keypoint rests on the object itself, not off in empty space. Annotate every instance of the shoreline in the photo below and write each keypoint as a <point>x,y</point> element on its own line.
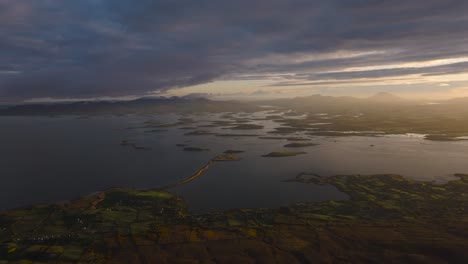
<point>382,211</point>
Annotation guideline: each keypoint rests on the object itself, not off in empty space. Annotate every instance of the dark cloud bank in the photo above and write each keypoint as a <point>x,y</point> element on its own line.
<point>90,48</point>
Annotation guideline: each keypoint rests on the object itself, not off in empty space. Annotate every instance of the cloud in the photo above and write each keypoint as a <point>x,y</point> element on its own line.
<point>93,48</point>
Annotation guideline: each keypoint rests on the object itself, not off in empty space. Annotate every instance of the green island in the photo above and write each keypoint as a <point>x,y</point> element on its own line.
<point>279,154</point>
<point>300,145</point>
<point>387,219</point>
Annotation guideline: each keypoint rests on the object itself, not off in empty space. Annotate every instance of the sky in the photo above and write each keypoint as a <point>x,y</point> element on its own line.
<point>87,49</point>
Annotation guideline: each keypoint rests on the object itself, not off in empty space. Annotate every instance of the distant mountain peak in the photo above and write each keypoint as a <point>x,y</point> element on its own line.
<point>385,97</point>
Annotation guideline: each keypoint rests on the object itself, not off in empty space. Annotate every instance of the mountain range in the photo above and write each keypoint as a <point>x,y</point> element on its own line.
<point>314,103</point>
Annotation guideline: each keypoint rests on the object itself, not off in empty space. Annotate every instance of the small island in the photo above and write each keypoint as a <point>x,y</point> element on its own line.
<point>196,149</point>
<point>300,145</point>
<point>126,143</point>
<point>233,151</point>
<point>199,133</point>
<point>156,124</point>
<point>246,127</point>
<point>237,135</point>
<point>226,157</point>
<point>156,131</point>
<point>279,154</point>
<point>286,138</point>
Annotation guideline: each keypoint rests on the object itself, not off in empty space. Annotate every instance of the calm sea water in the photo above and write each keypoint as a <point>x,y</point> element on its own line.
<point>45,159</point>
